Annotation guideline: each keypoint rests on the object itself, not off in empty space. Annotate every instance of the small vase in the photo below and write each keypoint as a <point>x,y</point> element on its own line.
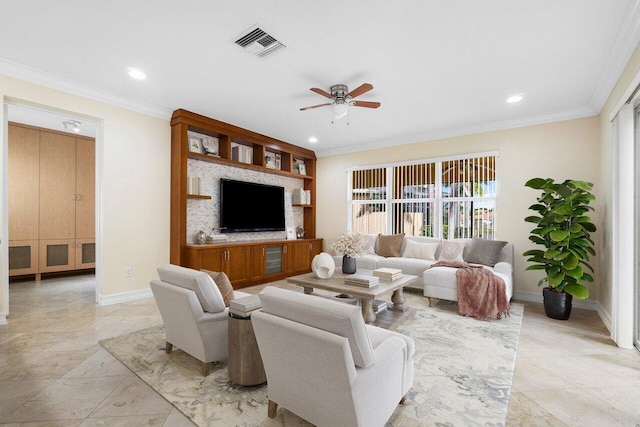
<point>348,265</point>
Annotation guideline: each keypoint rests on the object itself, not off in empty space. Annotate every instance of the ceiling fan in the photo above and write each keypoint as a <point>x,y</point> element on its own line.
<point>341,99</point>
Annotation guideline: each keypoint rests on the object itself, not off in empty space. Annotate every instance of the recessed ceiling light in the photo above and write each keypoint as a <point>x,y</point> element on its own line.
<point>313,139</point>
<point>134,73</point>
<point>514,98</point>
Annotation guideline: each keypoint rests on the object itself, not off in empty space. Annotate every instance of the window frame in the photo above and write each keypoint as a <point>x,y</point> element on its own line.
<point>438,201</point>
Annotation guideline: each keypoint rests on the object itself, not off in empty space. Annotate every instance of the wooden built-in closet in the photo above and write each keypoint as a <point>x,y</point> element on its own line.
<point>51,201</point>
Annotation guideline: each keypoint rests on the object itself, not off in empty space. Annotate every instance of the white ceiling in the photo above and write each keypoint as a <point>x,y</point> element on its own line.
<point>439,68</point>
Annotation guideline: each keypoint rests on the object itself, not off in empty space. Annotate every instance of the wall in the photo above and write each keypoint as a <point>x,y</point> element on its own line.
<point>205,214</point>
<point>607,265</point>
<point>562,150</point>
<point>133,152</point>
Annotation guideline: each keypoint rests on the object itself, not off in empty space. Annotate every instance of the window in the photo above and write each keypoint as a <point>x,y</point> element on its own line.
<point>445,198</point>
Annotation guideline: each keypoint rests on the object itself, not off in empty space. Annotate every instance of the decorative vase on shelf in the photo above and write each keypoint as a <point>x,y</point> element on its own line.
<point>348,265</point>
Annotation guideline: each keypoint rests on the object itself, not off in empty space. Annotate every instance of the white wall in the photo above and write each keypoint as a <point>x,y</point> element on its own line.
<point>562,150</point>
<point>133,169</point>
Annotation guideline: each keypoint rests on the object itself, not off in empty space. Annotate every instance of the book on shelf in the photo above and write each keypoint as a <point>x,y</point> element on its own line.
<point>241,153</point>
<point>362,280</point>
<point>388,274</point>
<point>299,196</point>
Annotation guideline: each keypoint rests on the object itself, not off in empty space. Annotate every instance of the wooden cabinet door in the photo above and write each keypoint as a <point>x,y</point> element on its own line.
<point>24,185</point>
<point>301,257</point>
<point>57,255</point>
<point>85,188</point>
<point>85,250</point>
<point>258,262</point>
<point>316,248</point>
<point>288,265</point>
<point>210,259</point>
<point>23,257</point>
<point>57,186</point>
<point>238,265</point>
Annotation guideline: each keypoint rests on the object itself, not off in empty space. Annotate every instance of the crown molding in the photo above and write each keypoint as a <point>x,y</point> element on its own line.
<point>454,132</point>
<point>23,72</point>
<point>623,47</point>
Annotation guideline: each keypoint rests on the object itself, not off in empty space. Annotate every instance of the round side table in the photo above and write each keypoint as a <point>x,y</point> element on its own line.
<point>245,364</point>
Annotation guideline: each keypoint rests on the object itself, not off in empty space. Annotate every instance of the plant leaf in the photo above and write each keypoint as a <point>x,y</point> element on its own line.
<point>558,235</point>
<point>578,291</point>
<point>536,183</point>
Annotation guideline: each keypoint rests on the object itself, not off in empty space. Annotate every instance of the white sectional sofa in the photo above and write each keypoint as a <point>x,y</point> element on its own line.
<point>437,282</point>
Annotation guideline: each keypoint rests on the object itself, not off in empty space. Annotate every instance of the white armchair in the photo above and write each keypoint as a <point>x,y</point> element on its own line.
<point>193,311</point>
<point>325,365</point>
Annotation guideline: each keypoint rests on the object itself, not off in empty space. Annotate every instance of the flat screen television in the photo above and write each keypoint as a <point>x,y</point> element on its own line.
<point>247,206</point>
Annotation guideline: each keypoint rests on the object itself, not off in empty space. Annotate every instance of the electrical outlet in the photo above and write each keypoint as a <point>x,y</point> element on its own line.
<point>127,272</point>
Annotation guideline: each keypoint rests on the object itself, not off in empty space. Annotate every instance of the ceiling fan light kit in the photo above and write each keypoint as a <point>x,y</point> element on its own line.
<point>342,99</point>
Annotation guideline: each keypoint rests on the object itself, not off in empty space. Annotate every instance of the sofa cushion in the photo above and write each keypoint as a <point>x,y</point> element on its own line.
<point>198,281</point>
<point>451,251</point>
<point>370,244</point>
<point>389,245</point>
<point>341,319</point>
<point>420,250</point>
<point>485,252</point>
<point>411,266</point>
<point>224,285</point>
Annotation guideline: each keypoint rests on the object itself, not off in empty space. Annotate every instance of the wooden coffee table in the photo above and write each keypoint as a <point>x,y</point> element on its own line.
<point>336,284</point>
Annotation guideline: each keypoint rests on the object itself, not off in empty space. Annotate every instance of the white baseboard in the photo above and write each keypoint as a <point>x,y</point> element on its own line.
<point>604,316</point>
<point>537,297</point>
<point>3,319</point>
<point>124,297</point>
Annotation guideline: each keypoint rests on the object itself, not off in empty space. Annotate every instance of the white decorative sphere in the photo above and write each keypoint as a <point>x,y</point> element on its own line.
<point>323,265</point>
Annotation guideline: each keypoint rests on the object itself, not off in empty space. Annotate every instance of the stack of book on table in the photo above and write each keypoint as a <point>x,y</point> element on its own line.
<point>388,274</point>
<point>379,305</point>
<point>362,280</point>
<point>242,307</point>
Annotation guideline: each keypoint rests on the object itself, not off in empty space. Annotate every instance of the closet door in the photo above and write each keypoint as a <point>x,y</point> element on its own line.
<point>85,204</point>
<point>24,191</point>
<point>85,189</point>
<point>24,195</point>
<point>57,186</point>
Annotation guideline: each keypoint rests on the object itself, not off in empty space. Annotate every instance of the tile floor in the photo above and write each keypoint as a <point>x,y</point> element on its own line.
<point>53,372</point>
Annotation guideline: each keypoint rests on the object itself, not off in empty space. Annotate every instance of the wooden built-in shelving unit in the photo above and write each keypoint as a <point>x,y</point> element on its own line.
<point>183,123</point>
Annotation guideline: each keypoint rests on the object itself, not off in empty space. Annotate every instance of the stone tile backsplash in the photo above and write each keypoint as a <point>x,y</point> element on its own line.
<point>205,214</point>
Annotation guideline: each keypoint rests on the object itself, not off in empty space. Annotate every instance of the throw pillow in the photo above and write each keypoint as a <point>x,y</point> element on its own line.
<point>224,285</point>
<point>420,250</point>
<point>370,243</point>
<point>451,251</point>
<point>389,245</point>
<point>485,252</point>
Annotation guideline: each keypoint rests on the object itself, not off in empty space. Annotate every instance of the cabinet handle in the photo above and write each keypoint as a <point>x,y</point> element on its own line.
<point>284,249</point>
<point>263,251</point>
<point>78,197</point>
<point>73,197</point>
<point>309,246</point>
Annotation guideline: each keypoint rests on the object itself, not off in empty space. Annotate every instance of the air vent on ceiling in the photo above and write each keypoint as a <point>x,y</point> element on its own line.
<point>258,42</point>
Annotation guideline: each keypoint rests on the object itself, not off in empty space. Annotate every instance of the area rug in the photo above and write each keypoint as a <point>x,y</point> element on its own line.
<point>463,373</point>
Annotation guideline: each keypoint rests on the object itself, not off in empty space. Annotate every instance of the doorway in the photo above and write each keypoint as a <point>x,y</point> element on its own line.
<point>71,138</point>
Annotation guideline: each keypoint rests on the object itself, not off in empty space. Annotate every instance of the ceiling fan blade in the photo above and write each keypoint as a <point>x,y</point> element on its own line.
<point>321,92</point>
<point>363,88</point>
<point>366,104</point>
<point>315,106</point>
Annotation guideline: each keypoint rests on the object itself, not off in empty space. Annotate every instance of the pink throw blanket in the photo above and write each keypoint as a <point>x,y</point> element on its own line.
<point>481,294</point>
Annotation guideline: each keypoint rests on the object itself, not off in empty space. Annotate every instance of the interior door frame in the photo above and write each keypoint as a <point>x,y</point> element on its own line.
<point>4,196</point>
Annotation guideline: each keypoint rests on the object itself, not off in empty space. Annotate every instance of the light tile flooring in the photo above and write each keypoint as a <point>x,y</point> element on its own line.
<point>53,371</point>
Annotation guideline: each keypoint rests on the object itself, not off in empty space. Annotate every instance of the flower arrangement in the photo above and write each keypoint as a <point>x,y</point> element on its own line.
<point>350,245</point>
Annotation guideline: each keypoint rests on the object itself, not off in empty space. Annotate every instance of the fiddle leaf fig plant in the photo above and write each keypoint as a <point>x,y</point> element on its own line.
<point>563,230</point>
